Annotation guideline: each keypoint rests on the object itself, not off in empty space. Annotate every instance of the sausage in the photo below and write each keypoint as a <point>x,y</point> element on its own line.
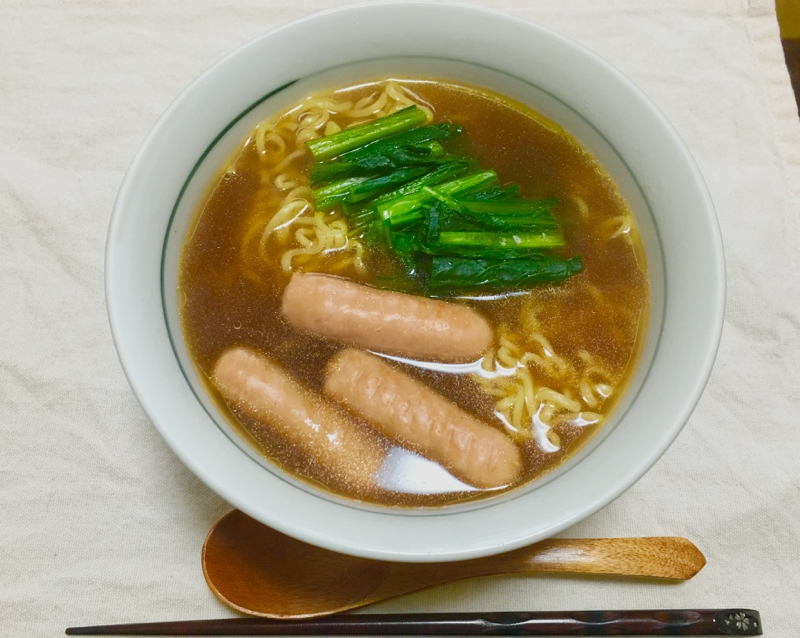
<point>385,321</point>
<point>261,389</point>
<point>410,413</point>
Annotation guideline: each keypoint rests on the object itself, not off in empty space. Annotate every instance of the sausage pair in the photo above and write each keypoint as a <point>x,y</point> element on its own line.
<point>400,407</point>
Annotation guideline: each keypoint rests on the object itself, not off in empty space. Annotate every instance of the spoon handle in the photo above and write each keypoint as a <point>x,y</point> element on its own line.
<point>674,622</point>
<point>656,557</point>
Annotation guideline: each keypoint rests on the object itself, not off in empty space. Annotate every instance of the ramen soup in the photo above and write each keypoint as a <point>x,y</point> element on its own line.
<point>413,293</point>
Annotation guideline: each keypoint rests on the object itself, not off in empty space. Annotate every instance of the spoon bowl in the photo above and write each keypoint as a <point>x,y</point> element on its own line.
<point>256,570</point>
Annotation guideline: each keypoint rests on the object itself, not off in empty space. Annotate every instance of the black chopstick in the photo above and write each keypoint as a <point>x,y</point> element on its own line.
<point>670,622</point>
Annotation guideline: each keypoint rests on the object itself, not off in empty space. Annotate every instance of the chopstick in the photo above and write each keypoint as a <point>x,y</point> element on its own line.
<point>696,622</point>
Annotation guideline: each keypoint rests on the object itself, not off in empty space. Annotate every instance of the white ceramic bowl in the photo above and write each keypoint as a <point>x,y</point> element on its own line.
<point>599,106</point>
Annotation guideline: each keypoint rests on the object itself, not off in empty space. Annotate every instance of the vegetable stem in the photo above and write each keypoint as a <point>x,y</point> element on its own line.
<point>404,210</point>
<point>545,239</point>
<point>429,153</point>
<point>415,137</point>
<point>356,137</point>
<point>444,172</point>
<point>372,187</point>
<point>330,195</point>
<point>457,274</point>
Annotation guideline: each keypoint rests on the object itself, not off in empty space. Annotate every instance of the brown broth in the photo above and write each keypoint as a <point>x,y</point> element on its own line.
<point>232,294</point>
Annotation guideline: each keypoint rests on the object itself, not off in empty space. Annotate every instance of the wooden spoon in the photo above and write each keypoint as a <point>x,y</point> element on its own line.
<point>259,571</point>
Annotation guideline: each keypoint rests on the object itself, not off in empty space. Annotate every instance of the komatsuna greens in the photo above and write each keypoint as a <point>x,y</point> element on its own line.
<point>450,223</point>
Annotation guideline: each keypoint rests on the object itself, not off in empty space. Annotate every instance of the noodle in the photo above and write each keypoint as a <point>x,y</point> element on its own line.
<point>320,235</point>
<point>362,110</point>
<point>402,97</point>
<point>323,237</point>
<point>284,183</point>
<point>329,105</point>
<point>529,409</point>
<point>583,208</point>
<point>618,227</point>
<point>289,159</point>
<point>299,192</point>
<point>282,219</point>
<point>263,135</point>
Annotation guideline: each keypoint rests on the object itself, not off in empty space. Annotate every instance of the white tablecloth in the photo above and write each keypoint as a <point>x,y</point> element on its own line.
<point>100,522</point>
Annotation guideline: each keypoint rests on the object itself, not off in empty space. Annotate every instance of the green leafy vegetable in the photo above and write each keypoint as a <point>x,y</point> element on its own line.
<point>494,192</point>
<point>457,274</point>
<point>404,210</point>
<point>443,197</point>
<point>377,185</point>
<point>453,228</point>
<point>427,153</point>
<point>413,138</point>
<point>356,137</point>
<point>328,196</point>
<point>499,240</point>
<point>449,170</point>
<point>364,212</point>
<point>535,222</point>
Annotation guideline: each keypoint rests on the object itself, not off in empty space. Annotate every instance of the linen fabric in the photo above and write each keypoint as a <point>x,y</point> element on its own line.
<point>101,523</point>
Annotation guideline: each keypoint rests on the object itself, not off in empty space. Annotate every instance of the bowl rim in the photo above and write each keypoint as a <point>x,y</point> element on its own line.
<point>121,332</point>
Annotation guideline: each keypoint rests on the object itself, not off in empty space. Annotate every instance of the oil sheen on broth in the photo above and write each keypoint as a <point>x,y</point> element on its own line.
<point>562,355</point>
